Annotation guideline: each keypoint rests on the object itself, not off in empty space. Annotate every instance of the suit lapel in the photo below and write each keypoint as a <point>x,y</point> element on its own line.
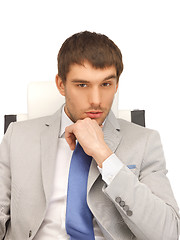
<point>112,137</point>
<point>49,143</point>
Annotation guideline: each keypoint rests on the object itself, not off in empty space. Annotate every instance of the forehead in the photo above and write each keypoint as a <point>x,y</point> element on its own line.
<point>89,73</point>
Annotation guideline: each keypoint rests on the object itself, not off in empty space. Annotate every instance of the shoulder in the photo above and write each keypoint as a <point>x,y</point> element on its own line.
<point>33,126</point>
<point>127,129</point>
<point>29,125</point>
<point>135,131</point>
<point>130,126</point>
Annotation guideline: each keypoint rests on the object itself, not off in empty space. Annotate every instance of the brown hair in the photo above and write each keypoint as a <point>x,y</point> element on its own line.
<point>95,48</point>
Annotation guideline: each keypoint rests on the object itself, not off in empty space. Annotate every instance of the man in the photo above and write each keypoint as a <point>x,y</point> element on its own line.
<point>128,193</point>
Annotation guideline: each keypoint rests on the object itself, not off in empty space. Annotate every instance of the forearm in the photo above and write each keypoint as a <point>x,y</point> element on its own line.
<point>147,195</point>
<point>152,217</point>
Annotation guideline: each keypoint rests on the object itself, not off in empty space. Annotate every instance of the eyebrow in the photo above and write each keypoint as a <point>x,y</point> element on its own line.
<point>85,81</point>
<point>110,77</point>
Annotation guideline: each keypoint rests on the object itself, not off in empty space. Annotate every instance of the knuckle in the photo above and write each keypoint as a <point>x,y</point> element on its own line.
<point>79,121</point>
<point>77,125</point>
<point>86,119</point>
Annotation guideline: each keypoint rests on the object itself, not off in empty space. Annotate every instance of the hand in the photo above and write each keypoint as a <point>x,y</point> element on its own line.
<point>90,136</point>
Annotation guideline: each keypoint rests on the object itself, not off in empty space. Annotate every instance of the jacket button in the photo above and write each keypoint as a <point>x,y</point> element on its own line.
<point>122,203</point>
<point>129,213</point>
<point>118,199</point>
<point>30,233</point>
<point>126,208</point>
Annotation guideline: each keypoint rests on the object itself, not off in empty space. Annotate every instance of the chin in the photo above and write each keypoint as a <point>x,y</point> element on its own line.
<point>99,121</point>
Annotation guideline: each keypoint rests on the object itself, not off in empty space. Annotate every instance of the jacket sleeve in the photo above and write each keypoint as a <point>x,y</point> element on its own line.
<point>5,182</point>
<point>146,203</point>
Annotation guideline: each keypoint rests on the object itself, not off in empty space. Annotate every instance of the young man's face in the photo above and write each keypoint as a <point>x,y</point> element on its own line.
<point>88,91</point>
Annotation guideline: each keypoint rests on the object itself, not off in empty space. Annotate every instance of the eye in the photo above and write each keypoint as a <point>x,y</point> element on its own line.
<point>82,85</point>
<point>106,84</point>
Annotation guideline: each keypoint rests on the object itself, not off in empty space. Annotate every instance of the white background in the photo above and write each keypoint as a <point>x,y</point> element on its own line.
<point>147,32</point>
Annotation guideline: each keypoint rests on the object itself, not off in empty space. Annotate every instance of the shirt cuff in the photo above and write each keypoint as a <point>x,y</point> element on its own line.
<point>110,168</point>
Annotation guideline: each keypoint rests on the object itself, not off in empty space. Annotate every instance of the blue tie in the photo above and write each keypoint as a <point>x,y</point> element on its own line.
<point>78,215</point>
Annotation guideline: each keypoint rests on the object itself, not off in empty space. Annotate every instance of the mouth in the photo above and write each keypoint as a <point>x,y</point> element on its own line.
<point>94,114</point>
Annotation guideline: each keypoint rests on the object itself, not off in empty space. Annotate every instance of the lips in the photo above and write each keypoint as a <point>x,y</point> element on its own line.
<point>94,114</point>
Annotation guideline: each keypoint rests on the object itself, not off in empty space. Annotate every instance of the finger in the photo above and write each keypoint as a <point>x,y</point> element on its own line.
<point>71,141</point>
<point>70,137</point>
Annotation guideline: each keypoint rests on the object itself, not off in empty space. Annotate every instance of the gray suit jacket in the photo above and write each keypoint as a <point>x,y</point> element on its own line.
<point>27,161</point>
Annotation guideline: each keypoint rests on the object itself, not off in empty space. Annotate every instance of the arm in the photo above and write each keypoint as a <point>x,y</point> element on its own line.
<point>5,182</point>
<point>154,210</point>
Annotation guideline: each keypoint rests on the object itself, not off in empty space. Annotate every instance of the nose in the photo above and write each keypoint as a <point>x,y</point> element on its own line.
<point>95,97</point>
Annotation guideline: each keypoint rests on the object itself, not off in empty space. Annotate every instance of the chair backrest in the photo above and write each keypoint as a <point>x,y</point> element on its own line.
<point>44,99</point>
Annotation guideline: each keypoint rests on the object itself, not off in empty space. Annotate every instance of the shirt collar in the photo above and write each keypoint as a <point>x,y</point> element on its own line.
<point>65,122</point>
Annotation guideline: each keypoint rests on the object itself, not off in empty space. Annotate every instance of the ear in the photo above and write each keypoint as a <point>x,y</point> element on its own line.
<point>60,85</point>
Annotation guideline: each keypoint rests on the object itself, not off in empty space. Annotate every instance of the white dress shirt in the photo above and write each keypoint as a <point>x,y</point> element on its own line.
<point>53,226</point>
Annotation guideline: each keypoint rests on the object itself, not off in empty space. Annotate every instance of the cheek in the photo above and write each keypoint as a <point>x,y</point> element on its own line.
<point>108,98</point>
<point>78,97</point>
<point>74,101</point>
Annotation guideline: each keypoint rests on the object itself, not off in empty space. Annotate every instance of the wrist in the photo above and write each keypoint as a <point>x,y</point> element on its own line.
<point>102,154</point>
